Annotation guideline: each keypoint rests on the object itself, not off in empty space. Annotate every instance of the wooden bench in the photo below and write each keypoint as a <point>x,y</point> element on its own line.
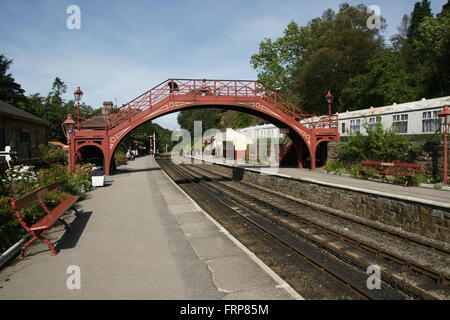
<point>407,170</point>
<point>40,228</point>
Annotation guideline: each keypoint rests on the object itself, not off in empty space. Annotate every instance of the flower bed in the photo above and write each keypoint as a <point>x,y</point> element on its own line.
<point>20,180</point>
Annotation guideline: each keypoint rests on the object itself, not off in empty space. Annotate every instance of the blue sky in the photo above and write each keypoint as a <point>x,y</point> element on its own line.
<point>126,47</point>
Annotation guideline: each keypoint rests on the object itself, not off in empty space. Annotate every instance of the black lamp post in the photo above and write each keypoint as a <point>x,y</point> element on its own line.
<point>78,94</point>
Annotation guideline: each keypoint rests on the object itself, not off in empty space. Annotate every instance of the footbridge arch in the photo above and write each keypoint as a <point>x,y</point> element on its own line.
<point>106,131</point>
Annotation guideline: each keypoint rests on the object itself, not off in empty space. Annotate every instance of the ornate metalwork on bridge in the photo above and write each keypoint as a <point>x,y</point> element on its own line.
<point>106,131</point>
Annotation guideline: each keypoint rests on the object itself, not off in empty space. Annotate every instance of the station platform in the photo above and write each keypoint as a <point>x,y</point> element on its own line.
<point>142,237</point>
<point>428,196</point>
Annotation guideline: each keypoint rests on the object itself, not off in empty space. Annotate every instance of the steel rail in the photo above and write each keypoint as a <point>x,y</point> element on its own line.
<point>422,244</point>
<point>436,275</point>
<point>269,229</point>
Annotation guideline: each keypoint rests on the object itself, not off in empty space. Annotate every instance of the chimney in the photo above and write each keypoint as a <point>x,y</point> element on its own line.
<point>107,107</point>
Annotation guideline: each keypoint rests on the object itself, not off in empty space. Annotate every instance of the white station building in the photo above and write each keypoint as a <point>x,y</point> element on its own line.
<point>412,118</point>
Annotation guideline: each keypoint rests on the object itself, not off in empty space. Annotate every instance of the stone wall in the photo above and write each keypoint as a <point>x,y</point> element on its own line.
<point>429,221</point>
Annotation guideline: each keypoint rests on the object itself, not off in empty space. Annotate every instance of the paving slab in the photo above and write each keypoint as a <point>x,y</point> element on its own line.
<point>141,237</point>
<point>214,247</point>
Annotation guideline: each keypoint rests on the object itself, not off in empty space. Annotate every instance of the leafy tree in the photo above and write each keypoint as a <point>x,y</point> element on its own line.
<point>324,55</point>
<point>446,8</point>
<point>142,133</point>
<point>432,55</point>
<point>10,91</point>
<point>421,11</point>
<point>398,40</point>
<point>387,81</point>
<point>239,120</point>
<point>210,118</point>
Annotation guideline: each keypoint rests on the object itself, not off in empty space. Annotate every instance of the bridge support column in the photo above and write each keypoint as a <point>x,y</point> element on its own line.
<point>312,153</point>
<point>107,161</point>
<point>298,146</point>
<point>71,154</point>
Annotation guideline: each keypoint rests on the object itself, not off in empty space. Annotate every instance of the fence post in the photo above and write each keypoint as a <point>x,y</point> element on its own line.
<point>7,154</point>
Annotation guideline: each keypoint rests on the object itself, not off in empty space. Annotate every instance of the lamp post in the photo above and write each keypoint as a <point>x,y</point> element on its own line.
<point>329,98</point>
<point>68,126</point>
<point>78,94</point>
<point>445,115</point>
<point>151,144</point>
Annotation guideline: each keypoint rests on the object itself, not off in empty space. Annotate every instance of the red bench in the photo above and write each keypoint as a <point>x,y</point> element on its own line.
<point>407,170</point>
<point>40,228</point>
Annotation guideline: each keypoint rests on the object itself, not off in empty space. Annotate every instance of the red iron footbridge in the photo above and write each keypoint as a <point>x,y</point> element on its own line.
<point>105,132</point>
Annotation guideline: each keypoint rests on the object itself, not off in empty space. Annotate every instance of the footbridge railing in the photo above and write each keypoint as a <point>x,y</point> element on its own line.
<point>204,87</point>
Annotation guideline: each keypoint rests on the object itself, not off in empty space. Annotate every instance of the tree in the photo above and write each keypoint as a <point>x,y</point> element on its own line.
<point>324,55</point>
<point>141,136</point>
<point>209,117</point>
<point>432,55</point>
<point>420,12</point>
<point>277,62</point>
<point>387,81</point>
<point>446,8</point>
<point>10,91</point>
<point>399,39</point>
<point>238,120</point>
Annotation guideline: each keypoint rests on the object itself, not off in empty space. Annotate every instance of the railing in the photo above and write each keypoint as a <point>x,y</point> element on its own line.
<point>322,122</point>
<point>237,88</point>
<point>285,147</point>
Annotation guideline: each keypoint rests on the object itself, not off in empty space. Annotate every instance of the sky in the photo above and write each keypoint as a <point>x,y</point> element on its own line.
<point>124,48</point>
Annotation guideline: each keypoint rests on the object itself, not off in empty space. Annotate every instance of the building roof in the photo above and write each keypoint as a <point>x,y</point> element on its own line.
<point>260,127</point>
<point>423,104</point>
<point>9,110</point>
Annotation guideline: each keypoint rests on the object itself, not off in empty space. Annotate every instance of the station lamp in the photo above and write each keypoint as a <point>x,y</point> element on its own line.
<point>68,126</point>
<point>329,98</point>
<point>78,94</point>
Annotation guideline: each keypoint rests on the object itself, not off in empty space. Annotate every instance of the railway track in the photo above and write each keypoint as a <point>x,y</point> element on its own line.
<point>339,227</point>
<point>320,245</point>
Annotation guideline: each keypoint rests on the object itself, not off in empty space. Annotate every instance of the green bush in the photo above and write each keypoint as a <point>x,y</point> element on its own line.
<point>421,179</point>
<point>332,166</point>
<point>52,155</point>
<point>378,145</point>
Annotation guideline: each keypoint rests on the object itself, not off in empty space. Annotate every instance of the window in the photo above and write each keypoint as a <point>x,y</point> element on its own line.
<point>343,127</point>
<point>13,137</point>
<point>355,125</point>
<point>33,140</point>
<point>263,133</point>
<point>373,121</point>
<point>400,123</point>
<point>430,121</point>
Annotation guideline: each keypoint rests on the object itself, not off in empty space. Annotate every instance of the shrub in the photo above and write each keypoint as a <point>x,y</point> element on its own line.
<point>378,145</point>
<point>52,155</point>
<point>332,166</point>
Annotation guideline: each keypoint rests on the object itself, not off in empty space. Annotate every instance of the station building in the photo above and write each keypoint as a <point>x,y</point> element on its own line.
<point>22,131</point>
<point>418,118</point>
